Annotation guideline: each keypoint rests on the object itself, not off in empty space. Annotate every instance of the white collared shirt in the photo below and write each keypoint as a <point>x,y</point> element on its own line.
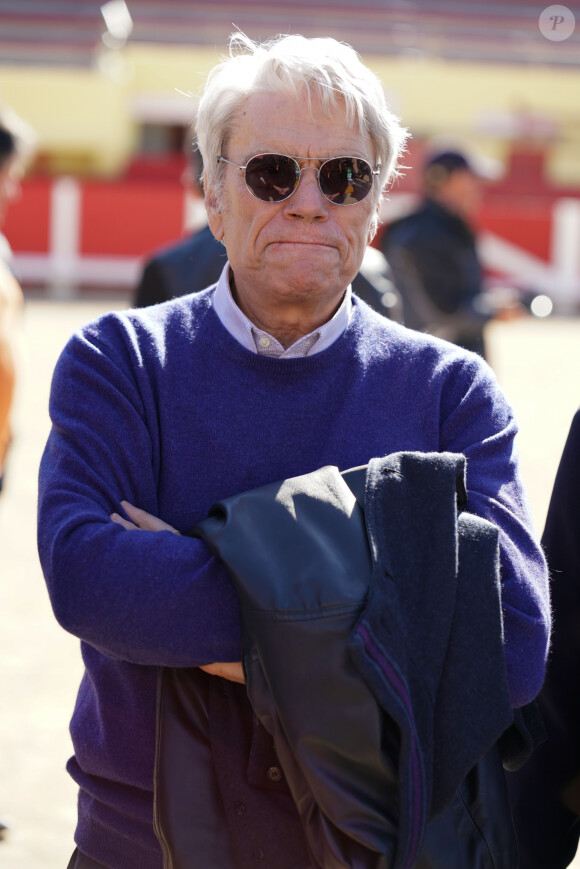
<point>254,339</point>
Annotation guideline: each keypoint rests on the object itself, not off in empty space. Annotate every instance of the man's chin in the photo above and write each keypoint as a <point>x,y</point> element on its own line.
<point>308,282</point>
<point>308,264</point>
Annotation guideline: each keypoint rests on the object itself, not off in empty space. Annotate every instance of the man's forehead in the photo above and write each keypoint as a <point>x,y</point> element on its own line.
<point>288,123</point>
<point>304,107</point>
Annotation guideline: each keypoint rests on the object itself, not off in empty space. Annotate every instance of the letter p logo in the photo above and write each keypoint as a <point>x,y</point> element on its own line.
<point>557,23</point>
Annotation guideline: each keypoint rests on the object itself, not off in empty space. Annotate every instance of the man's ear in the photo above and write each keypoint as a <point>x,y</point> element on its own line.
<point>214,215</point>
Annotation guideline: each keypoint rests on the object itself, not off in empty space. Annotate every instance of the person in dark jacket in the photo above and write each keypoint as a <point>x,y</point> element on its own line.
<point>274,372</point>
<point>188,265</point>
<point>433,255</point>
<point>545,793</point>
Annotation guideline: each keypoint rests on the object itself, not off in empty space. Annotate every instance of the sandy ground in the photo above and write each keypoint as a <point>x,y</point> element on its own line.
<point>537,363</point>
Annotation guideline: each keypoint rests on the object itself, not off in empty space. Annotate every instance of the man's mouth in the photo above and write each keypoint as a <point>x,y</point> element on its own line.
<point>304,242</point>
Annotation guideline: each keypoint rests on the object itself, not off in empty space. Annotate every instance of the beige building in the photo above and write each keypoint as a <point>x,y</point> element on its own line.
<point>93,120</point>
<point>112,111</point>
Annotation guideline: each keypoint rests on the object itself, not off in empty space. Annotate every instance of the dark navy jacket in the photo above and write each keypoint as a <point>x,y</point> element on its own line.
<point>436,268</point>
<point>373,652</point>
<point>188,266</point>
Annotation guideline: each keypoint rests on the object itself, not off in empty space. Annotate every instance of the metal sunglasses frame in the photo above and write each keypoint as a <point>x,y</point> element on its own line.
<point>301,169</point>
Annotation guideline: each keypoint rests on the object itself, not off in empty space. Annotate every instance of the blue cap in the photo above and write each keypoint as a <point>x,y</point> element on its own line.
<point>450,161</point>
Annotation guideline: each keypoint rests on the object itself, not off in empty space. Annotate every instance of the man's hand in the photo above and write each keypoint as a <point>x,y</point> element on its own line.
<point>143,521</point>
<point>232,671</point>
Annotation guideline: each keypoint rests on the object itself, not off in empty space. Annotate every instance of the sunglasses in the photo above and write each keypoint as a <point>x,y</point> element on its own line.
<point>275,177</point>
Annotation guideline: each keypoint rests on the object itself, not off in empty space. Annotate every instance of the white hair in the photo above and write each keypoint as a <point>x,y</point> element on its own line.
<point>322,67</point>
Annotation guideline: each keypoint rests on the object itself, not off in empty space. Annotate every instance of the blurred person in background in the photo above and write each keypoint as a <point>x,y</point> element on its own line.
<point>197,261</point>
<point>16,143</point>
<point>433,254</point>
<point>190,264</point>
<point>278,371</point>
<point>545,793</point>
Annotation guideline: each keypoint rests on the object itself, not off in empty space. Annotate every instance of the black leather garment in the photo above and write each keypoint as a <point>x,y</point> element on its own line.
<point>304,617</point>
<point>298,552</point>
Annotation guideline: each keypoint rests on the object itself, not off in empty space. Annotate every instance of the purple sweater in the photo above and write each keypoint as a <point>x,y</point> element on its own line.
<point>163,408</point>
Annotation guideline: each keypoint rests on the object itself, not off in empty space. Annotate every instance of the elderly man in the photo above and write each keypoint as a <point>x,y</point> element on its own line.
<point>275,372</point>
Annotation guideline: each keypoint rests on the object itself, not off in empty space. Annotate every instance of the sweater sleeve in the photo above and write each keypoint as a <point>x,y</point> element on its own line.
<point>478,422</point>
<point>144,597</point>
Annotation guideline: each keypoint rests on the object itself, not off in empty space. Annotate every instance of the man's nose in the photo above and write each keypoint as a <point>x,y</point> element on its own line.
<point>307,201</point>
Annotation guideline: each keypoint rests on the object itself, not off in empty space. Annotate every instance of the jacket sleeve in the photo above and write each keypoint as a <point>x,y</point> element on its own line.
<point>144,597</point>
<point>478,422</point>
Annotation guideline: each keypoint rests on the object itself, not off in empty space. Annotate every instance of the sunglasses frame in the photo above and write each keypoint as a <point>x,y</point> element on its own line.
<point>300,170</point>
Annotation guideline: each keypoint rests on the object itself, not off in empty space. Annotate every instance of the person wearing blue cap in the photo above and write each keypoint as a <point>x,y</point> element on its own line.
<point>433,255</point>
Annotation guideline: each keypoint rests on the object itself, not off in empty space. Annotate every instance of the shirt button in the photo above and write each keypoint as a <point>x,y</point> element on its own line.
<point>274,773</point>
<point>264,342</point>
<point>258,854</point>
<point>240,808</point>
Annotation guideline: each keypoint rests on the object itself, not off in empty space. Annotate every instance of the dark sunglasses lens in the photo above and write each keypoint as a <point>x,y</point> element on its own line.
<point>272,177</point>
<point>346,180</point>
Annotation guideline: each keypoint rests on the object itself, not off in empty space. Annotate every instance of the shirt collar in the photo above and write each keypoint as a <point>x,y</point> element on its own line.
<point>260,342</point>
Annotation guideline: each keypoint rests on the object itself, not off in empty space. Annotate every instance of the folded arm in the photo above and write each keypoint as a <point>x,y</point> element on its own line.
<point>148,598</point>
<point>140,520</point>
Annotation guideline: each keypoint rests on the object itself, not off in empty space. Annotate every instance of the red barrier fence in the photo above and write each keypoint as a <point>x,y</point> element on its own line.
<point>68,233</point>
